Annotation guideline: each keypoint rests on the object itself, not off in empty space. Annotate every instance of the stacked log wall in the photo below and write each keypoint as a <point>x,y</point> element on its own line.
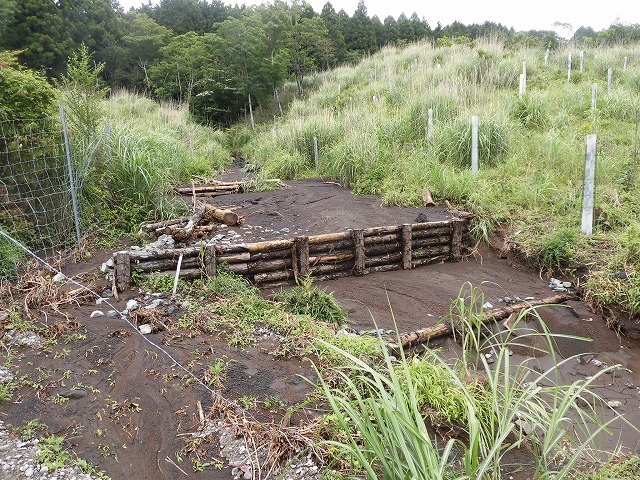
<point>275,263</point>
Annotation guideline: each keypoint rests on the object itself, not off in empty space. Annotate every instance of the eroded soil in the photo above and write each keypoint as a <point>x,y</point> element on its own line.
<point>136,408</point>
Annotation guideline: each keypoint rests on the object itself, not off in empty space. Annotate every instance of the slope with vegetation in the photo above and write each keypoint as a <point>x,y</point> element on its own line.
<point>371,122</point>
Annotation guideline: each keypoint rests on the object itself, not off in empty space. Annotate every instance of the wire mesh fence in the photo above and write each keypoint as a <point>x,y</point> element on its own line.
<point>38,185</point>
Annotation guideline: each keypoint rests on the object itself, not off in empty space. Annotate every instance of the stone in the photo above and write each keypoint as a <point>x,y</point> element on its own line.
<point>487,305</point>
<point>155,304</point>
<point>421,218</point>
<point>108,293</point>
<point>73,394</point>
<point>170,309</point>
<point>112,314</point>
<point>163,241</point>
<point>96,313</point>
<point>145,329</point>
<point>132,305</point>
<point>614,403</point>
<point>59,277</point>
<point>28,472</point>
<point>566,284</point>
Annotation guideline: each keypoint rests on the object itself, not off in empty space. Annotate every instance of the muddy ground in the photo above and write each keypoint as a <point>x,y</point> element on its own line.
<point>134,408</point>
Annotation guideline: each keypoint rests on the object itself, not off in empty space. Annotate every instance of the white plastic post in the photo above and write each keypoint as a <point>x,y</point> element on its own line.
<point>609,76</point>
<point>588,194</point>
<point>521,89</point>
<point>594,96</point>
<point>546,58</point>
<point>569,69</point>
<point>253,125</point>
<point>581,60</point>
<point>338,89</point>
<point>474,144</point>
<point>315,150</point>
<point>624,66</point>
<point>430,126</point>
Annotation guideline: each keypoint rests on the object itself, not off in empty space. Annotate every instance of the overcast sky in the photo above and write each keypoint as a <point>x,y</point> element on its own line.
<point>522,15</point>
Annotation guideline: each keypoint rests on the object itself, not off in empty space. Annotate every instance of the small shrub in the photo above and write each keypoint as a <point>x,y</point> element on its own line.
<point>307,299</point>
<point>11,256</point>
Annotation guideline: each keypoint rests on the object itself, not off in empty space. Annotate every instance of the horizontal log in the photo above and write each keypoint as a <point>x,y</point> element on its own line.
<point>273,276</point>
<point>382,259</point>
<point>431,251</point>
<point>373,250</point>
<point>329,237</point>
<point>430,241</point>
<point>271,255</point>
<point>383,268</point>
<point>389,238</point>
<point>376,231</point>
<point>164,264</point>
<point>331,246</point>
<point>335,267</point>
<point>153,226</point>
<point>415,227</point>
<point>206,189</point>
<point>334,258</point>
<point>422,335</point>
<point>422,262</point>
<point>270,245</point>
<point>220,215</point>
<point>237,258</point>
<point>154,254</point>
<point>432,232</point>
<point>259,267</point>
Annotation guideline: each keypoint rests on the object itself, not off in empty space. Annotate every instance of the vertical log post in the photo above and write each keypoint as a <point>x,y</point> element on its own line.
<point>358,251</point>
<point>456,239</point>
<point>302,244</point>
<point>210,261</point>
<point>406,246</point>
<point>123,271</point>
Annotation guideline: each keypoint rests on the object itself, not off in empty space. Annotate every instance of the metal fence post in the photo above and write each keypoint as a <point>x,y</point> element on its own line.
<point>72,185</point>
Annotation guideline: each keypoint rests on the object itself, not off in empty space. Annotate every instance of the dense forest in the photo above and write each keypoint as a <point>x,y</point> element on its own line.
<point>214,56</point>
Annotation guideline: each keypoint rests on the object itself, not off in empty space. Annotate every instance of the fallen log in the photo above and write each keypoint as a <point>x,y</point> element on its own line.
<point>221,215</point>
<point>153,226</point>
<point>423,335</point>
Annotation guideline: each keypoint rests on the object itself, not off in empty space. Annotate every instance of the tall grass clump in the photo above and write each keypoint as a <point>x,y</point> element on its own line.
<point>488,415</point>
<point>453,143</point>
<point>530,111</point>
<point>151,148</point>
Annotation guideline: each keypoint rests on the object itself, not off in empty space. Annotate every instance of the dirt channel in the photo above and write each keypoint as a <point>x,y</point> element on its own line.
<point>133,408</point>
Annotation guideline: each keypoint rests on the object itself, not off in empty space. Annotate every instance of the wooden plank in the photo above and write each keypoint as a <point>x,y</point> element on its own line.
<point>303,255</point>
<point>123,271</point>
<point>210,261</point>
<point>359,252</point>
<point>406,247</point>
<point>456,239</point>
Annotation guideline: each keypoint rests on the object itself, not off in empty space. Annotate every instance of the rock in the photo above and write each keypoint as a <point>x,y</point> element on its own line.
<point>163,241</point>
<point>155,304</point>
<point>108,293</point>
<point>96,313</point>
<point>28,472</point>
<point>132,305</point>
<point>112,314</point>
<point>488,305</point>
<point>73,394</point>
<point>59,277</point>
<point>170,309</point>
<point>566,284</point>
<point>614,403</point>
<point>421,218</point>
<point>145,329</point>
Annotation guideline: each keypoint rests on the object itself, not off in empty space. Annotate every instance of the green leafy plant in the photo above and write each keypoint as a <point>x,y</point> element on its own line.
<point>308,299</point>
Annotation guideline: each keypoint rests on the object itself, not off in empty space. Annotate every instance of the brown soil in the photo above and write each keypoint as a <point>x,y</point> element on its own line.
<point>139,406</point>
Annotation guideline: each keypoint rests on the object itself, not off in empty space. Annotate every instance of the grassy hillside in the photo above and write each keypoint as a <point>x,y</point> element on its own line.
<point>371,122</point>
